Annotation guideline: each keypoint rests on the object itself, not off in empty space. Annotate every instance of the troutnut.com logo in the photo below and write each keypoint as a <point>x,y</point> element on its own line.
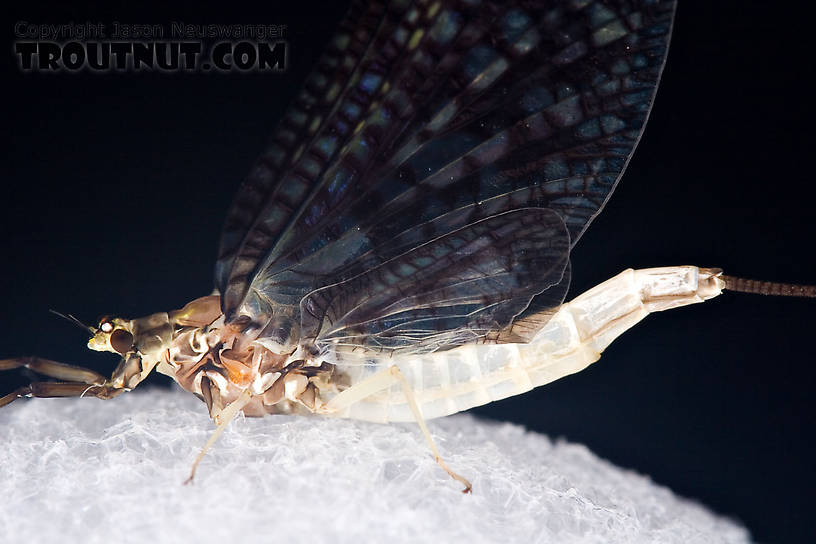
<point>178,46</point>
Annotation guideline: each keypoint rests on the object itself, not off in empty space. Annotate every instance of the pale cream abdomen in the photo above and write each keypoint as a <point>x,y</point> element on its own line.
<point>451,381</point>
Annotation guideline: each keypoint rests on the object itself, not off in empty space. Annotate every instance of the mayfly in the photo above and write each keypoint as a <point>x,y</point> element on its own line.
<point>400,251</point>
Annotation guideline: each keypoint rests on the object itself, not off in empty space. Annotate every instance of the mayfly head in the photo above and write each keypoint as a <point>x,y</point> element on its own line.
<point>113,334</point>
<point>140,342</point>
<point>119,336</point>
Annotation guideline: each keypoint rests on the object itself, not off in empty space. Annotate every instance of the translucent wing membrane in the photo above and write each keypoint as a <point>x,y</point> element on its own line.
<point>454,289</point>
<point>395,198</point>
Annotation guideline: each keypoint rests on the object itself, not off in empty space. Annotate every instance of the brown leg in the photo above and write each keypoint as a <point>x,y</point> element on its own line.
<point>14,395</point>
<point>53,369</point>
<point>46,390</point>
<point>83,382</point>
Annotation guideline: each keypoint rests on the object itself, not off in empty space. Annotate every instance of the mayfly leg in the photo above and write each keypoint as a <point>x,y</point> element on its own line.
<point>78,382</point>
<point>222,419</point>
<point>53,369</point>
<point>383,380</point>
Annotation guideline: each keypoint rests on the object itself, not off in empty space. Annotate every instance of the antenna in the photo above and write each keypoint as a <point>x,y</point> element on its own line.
<point>75,321</point>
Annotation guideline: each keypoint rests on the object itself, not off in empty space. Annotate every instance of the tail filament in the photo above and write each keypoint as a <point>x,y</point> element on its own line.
<point>760,287</point>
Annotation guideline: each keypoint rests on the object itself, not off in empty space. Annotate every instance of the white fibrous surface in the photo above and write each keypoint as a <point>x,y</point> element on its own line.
<point>93,471</point>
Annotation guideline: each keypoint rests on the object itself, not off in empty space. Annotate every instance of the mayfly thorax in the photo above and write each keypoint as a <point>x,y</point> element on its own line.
<point>400,251</point>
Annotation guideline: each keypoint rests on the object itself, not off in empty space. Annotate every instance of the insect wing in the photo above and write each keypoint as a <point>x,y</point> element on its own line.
<point>424,120</point>
<point>452,290</point>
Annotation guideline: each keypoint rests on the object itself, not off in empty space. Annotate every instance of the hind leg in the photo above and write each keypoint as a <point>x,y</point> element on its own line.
<point>383,380</point>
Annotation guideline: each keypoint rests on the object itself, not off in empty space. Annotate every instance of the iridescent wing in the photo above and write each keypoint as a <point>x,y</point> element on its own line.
<point>425,125</point>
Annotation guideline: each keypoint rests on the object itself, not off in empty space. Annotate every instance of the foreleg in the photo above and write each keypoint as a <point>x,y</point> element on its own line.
<point>79,381</point>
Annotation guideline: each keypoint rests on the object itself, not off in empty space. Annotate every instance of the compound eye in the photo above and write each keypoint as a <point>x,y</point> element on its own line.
<point>121,340</point>
<point>106,326</point>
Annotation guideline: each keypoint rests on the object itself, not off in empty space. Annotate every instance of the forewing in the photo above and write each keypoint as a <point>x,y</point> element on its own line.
<point>422,119</point>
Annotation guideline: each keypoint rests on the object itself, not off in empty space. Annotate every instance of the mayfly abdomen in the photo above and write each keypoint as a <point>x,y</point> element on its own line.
<point>446,382</point>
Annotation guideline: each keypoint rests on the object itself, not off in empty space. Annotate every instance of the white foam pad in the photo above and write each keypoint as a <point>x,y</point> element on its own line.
<point>93,471</point>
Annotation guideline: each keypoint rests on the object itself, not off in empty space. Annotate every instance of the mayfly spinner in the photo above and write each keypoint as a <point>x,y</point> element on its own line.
<point>400,252</point>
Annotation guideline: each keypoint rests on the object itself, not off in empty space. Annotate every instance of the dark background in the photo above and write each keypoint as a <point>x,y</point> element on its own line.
<point>114,188</point>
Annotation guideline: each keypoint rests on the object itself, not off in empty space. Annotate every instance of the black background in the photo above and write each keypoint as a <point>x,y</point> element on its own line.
<point>114,188</point>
